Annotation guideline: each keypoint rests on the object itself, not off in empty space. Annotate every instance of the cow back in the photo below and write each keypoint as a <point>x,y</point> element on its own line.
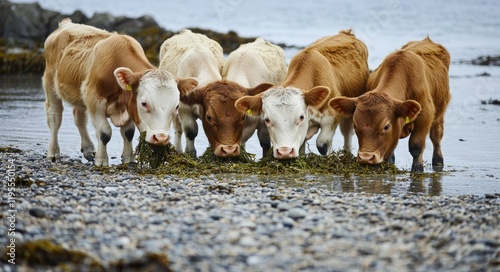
<point>339,62</point>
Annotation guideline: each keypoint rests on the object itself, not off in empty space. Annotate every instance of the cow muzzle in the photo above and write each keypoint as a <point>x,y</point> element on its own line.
<point>370,158</point>
<point>284,153</point>
<point>159,138</point>
<point>227,151</point>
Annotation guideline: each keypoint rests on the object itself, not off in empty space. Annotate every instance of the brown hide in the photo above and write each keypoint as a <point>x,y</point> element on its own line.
<point>222,122</point>
<point>408,95</point>
<point>339,62</point>
<point>90,55</point>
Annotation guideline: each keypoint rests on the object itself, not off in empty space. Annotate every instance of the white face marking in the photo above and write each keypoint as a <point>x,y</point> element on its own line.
<point>157,104</point>
<point>286,116</point>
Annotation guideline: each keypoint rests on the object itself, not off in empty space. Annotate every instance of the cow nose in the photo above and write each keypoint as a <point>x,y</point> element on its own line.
<point>367,158</point>
<point>160,139</point>
<point>228,151</point>
<point>285,153</point>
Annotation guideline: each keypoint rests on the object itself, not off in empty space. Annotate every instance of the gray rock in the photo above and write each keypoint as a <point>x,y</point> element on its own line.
<point>297,213</point>
<point>37,212</point>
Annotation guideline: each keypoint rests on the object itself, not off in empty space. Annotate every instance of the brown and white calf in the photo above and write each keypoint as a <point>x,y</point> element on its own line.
<point>409,93</point>
<point>246,71</point>
<point>189,54</point>
<point>108,75</point>
<point>296,109</point>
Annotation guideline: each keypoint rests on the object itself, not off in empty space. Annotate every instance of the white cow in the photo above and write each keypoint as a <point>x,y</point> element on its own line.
<point>250,65</point>
<point>189,54</point>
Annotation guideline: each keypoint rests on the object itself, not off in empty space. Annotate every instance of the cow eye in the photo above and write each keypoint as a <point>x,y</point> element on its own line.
<point>386,128</point>
<point>176,108</point>
<point>144,104</point>
<point>301,118</point>
<point>267,120</point>
<point>209,118</point>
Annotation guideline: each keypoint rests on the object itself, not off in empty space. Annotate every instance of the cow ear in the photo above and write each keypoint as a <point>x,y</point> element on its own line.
<point>194,97</point>
<point>126,78</point>
<point>250,105</point>
<point>316,96</point>
<point>409,109</point>
<point>259,88</point>
<point>186,85</point>
<point>343,105</point>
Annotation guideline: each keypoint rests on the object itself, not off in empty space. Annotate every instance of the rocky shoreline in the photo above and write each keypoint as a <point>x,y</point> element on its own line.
<point>72,216</point>
<point>26,26</point>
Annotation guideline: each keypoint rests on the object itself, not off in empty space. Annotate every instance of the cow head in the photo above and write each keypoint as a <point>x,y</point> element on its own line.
<point>155,100</point>
<point>379,122</point>
<point>286,114</point>
<point>222,122</point>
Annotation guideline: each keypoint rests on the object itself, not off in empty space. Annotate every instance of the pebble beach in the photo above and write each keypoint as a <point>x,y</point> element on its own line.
<point>70,216</point>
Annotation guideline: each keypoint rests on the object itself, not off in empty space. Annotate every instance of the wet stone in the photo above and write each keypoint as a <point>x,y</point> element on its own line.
<point>297,213</point>
<point>37,212</point>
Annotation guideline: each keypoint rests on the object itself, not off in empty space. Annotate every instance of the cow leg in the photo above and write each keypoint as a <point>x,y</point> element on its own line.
<point>325,137</point>
<point>416,146</point>
<point>127,133</point>
<point>103,133</point>
<point>190,127</point>
<point>347,130</point>
<point>436,135</point>
<point>178,134</point>
<point>391,158</point>
<point>264,138</point>
<point>80,118</point>
<point>53,110</point>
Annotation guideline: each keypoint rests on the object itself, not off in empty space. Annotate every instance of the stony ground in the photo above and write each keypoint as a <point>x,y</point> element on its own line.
<point>70,216</point>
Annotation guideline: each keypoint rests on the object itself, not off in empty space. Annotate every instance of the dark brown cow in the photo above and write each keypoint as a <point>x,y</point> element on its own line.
<point>222,122</point>
<point>409,95</point>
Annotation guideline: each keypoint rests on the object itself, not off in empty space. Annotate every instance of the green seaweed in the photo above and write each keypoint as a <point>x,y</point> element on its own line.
<point>44,253</point>
<point>339,163</point>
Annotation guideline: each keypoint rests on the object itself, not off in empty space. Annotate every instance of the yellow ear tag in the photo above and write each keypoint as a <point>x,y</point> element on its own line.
<point>249,112</point>
<point>407,120</point>
<point>128,87</point>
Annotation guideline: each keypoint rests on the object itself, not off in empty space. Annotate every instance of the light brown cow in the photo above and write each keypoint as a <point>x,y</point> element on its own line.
<point>109,75</point>
<point>409,93</point>
<point>297,109</point>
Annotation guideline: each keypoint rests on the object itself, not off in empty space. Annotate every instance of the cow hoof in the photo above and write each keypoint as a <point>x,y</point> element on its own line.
<point>89,155</point>
<point>323,149</point>
<point>437,163</point>
<point>53,158</point>
<point>417,168</point>
<point>101,163</point>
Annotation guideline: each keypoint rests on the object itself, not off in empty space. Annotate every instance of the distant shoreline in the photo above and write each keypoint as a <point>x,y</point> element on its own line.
<point>27,25</point>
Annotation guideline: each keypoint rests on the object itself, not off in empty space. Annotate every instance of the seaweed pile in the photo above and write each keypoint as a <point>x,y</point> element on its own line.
<point>164,160</point>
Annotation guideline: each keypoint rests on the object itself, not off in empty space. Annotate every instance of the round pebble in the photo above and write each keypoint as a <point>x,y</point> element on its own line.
<point>209,224</point>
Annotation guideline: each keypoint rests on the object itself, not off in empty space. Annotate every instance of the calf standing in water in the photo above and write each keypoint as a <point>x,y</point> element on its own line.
<point>409,93</point>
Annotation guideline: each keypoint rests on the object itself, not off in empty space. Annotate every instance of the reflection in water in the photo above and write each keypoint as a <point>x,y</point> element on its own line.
<point>417,185</point>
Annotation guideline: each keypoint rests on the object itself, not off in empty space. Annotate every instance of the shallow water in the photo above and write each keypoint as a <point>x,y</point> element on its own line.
<point>470,146</point>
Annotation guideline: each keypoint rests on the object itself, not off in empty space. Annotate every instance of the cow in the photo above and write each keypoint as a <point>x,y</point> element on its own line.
<point>109,75</point>
<point>189,54</point>
<point>408,95</point>
<point>252,68</point>
<point>297,108</point>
